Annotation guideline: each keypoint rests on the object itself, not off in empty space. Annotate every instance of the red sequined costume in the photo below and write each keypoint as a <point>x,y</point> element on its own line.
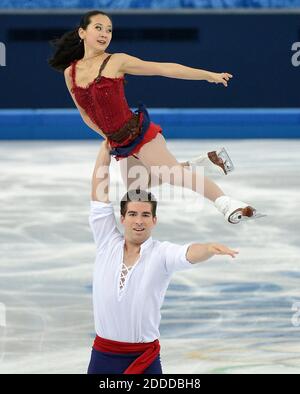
<point>105,103</point>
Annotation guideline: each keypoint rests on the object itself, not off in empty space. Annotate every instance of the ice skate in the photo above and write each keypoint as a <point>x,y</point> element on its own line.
<point>217,162</point>
<point>236,211</point>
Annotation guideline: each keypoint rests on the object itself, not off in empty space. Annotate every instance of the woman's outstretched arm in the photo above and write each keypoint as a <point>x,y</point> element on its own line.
<point>135,66</point>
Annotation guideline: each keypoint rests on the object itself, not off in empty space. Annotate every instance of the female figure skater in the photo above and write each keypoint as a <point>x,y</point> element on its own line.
<point>133,138</point>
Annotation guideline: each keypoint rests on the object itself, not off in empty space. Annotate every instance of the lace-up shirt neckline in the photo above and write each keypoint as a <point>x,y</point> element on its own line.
<point>126,271</point>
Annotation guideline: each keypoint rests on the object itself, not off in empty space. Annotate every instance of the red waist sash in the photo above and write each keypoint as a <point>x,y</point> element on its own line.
<point>141,363</point>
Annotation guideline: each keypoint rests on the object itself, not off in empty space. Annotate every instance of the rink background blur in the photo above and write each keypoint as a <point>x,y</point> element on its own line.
<point>224,316</point>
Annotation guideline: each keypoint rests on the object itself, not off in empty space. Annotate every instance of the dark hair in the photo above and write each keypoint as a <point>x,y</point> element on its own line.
<point>138,195</point>
<point>69,47</point>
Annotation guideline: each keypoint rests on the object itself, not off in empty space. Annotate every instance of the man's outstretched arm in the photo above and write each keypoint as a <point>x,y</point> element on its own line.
<point>197,253</point>
<point>100,180</point>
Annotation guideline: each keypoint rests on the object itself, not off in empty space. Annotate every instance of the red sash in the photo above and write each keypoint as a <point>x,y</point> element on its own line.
<point>150,352</point>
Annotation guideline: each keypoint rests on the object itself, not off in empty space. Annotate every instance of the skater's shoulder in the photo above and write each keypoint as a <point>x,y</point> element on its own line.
<point>162,246</point>
<point>120,57</point>
<point>67,72</point>
<point>69,68</point>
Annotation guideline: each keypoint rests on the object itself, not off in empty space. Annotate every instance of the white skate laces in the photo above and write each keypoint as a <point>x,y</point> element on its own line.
<point>235,211</point>
<point>217,162</point>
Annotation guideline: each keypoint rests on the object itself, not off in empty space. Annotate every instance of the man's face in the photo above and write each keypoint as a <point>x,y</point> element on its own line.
<point>138,221</point>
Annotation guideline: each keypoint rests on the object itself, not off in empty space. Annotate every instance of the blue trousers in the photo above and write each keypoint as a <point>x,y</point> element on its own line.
<point>110,363</point>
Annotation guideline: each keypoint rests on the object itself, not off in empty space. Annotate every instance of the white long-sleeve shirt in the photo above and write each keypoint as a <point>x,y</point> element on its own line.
<point>127,307</point>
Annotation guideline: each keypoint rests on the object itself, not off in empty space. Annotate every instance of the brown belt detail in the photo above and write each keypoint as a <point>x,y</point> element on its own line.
<point>130,129</point>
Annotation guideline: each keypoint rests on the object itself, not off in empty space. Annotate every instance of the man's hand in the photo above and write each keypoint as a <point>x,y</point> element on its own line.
<point>221,249</point>
<point>197,253</point>
<point>219,78</point>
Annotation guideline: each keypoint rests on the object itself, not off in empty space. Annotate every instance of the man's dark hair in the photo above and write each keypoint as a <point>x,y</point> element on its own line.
<point>138,195</point>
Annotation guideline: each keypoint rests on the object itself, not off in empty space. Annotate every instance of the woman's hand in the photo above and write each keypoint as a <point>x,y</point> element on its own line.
<point>221,249</point>
<point>219,78</point>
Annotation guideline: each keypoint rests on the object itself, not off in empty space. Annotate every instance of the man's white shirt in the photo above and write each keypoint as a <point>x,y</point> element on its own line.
<point>131,314</point>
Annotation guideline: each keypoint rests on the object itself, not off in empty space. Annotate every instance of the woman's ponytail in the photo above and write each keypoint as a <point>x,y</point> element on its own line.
<point>68,48</point>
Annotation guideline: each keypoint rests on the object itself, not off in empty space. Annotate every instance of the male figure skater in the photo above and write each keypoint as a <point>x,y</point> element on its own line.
<point>131,275</point>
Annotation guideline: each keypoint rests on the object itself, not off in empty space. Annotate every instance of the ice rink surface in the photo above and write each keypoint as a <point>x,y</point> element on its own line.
<point>224,316</point>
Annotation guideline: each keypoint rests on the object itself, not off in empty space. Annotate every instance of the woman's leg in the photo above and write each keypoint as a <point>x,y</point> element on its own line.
<point>136,174</point>
<point>156,153</point>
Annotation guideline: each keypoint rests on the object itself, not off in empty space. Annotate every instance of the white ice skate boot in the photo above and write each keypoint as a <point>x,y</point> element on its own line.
<point>217,162</point>
<point>235,211</point>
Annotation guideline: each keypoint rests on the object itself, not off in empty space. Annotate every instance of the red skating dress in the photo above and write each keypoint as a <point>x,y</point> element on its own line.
<point>105,103</point>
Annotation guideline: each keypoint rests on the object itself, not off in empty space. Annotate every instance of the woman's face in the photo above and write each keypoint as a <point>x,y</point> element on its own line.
<point>98,33</point>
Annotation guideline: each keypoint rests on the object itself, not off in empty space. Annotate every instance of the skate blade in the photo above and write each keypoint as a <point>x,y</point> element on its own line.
<point>228,164</point>
<point>244,214</point>
<point>255,216</point>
